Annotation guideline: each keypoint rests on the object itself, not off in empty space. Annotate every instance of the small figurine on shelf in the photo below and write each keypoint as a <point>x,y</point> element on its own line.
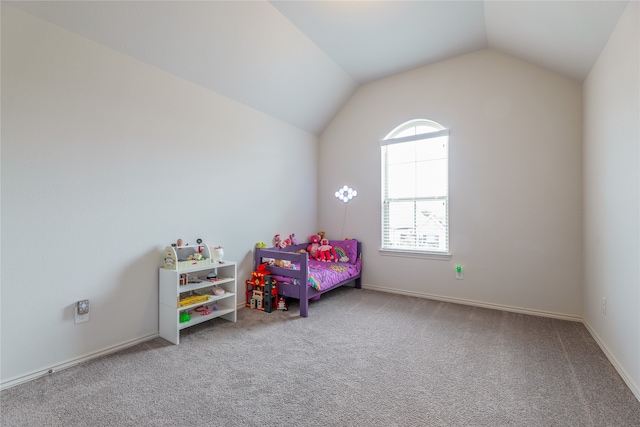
<point>179,243</point>
<point>184,317</point>
<point>203,310</point>
<point>217,252</point>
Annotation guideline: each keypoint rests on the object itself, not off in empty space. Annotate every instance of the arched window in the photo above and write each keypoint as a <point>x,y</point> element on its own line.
<point>415,188</point>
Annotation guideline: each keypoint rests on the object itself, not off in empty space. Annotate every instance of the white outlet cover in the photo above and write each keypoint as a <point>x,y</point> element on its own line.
<point>81,318</point>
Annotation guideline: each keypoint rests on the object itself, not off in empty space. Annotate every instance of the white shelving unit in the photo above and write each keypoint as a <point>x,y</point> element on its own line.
<point>224,306</point>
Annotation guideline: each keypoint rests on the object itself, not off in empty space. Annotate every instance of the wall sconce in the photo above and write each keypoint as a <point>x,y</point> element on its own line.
<point>346,193</point>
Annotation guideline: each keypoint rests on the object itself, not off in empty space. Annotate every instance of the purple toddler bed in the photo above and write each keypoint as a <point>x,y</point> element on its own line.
<point>318,276</point>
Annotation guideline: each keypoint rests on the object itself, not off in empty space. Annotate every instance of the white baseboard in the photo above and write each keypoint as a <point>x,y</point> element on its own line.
<point>635,389</point>
<point>492,306</point>
<point>73,362</point>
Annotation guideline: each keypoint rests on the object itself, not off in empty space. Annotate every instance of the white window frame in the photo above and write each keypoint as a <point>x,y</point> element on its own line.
<point>435,130</point>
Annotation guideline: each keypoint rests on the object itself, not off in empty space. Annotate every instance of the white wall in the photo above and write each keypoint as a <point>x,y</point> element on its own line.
<point>515,181</point>
<point>611,198</point>
<point>105,160</point>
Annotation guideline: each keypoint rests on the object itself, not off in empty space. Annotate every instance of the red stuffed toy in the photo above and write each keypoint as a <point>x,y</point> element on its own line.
<point>326,252</point>
<point>262,268</point>
<point>312,249</point>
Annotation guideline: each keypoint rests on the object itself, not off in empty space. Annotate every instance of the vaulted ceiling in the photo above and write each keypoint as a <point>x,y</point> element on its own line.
<point>299,61</point>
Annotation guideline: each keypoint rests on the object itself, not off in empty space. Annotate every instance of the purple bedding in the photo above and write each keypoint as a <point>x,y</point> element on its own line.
<point>325,275</point>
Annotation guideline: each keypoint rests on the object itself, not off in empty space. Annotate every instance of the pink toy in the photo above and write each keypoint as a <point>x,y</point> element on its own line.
<point>312,249</point>
<point>203,310</point>
<point>279,243</point>
<point>326,252</point>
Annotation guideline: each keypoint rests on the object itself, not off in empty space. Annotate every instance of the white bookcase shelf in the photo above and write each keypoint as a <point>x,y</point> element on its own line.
<point>172,292</point>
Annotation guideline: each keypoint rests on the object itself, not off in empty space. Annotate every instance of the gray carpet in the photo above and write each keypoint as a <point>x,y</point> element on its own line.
<point>362,358</point>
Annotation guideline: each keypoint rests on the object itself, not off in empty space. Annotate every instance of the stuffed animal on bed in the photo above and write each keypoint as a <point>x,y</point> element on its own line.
<point>279,243</point>
<point>314,244</point>
<point>282,263</point>
<point>326,252</point>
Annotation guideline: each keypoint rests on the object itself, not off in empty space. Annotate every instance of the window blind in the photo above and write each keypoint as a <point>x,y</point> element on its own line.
<point>415,193</point>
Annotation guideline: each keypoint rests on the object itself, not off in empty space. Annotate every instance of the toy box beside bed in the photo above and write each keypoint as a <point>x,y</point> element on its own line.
<point>316,277</point>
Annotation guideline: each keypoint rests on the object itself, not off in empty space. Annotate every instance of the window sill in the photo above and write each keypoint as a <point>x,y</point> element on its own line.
<point>415,254</point>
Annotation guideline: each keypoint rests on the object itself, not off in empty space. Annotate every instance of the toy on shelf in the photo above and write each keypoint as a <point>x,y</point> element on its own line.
<point>183,279</point>
<point>192,299</point>
<point>217,253</point>
<point>182,257</point>
<point>184,317</point>
<point>203,310</point>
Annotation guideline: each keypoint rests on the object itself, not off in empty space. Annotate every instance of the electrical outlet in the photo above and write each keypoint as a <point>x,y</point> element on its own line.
<point>82,311</point>
<point>81,318</point>
<point>604,306</point>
